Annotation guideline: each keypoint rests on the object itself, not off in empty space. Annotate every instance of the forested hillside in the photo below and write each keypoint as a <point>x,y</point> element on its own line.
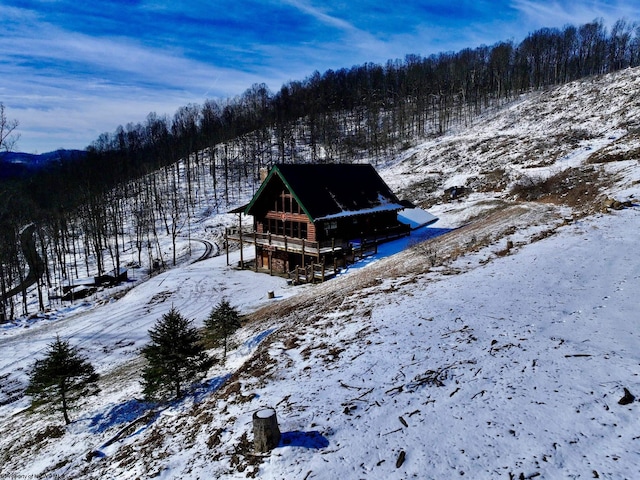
<point>162,173</point>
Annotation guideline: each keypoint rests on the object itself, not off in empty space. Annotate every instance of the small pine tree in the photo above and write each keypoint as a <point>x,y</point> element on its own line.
<point>63,377</point>
<point>221,323</point>
<point>175,357</point>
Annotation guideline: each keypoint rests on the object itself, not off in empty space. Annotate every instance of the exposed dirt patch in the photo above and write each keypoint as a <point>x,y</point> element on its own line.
<point>625,148</point>
<point>578,188</point>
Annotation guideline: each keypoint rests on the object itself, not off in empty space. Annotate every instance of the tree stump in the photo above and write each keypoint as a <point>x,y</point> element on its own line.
<point>266,433</point>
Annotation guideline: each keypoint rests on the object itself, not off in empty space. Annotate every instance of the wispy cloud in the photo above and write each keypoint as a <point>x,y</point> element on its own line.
<point>320,15</point>
<point>575,12</point>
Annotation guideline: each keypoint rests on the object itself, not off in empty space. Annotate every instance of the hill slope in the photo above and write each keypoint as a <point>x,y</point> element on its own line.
<point>461,356</point>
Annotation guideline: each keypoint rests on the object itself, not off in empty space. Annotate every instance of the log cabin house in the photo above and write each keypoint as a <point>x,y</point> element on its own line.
<point>309,220</point>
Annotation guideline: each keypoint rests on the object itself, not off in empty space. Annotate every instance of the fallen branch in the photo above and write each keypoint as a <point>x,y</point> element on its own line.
<point>362,395</point>
<point>481,393</point>
<point>344,385</point>
<point>395,389</point>
<point>464,329</point>
<point>436,377</point>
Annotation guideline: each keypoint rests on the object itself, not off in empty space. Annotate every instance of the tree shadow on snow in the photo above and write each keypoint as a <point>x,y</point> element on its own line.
<point>135,410</point>
<point>392,247</point>
<point>252,343</point>
<point>121,414</point>
<point>313,440</point>
<point>207,387</point>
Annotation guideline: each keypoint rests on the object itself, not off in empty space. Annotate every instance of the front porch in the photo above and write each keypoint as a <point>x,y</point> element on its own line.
<point>302,260</point>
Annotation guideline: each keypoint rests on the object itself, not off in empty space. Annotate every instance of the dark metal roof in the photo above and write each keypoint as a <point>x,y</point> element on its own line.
<point>240,209</point>
<point>328,190</point>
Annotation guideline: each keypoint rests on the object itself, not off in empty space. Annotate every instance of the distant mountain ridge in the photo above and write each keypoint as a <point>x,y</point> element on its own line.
<point>17,164</point>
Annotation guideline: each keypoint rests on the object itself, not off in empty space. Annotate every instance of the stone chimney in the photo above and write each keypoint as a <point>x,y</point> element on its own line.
<point>264,171</point>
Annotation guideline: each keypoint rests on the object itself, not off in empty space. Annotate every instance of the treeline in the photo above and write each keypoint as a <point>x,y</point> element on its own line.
<point>150,178</point>
<point>364,111</point>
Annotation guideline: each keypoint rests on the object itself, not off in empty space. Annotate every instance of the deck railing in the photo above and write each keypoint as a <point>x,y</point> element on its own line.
<point>285,242</point>
<point>294,244</point>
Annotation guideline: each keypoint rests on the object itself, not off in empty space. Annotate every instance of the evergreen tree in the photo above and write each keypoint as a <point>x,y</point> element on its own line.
<point>175,357</point>
<point>221,323</point>
<point>63,377</point>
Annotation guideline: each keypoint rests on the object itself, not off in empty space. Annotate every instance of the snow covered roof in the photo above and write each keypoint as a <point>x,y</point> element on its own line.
<point>416,217</point>
<point>365,211</point>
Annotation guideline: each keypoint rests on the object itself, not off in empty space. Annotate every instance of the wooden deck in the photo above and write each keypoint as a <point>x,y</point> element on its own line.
<point>282,242</point>
<point>302,246</point>
<point>325,259</point>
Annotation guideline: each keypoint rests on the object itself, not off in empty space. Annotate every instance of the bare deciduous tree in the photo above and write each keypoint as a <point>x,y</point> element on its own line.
<point>8,138</point>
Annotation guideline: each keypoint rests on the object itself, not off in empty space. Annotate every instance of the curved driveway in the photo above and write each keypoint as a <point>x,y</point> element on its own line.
<point>36,265</point>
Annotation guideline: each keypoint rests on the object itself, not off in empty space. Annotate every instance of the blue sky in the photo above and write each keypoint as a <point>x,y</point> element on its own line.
<point>70,70</point>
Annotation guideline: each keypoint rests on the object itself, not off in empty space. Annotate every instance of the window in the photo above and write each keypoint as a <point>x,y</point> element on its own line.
<point>330,227</point>
<point>286,203</point>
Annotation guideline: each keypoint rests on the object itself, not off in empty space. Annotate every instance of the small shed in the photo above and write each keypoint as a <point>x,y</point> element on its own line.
<point>78,292</point>
<point>116,275</point>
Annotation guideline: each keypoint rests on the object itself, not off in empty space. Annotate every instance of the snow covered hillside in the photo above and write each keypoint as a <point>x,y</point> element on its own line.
<point>495,343</point>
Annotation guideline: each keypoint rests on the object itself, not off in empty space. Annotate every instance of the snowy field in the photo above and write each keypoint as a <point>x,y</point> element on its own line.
<point>492,364</point>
